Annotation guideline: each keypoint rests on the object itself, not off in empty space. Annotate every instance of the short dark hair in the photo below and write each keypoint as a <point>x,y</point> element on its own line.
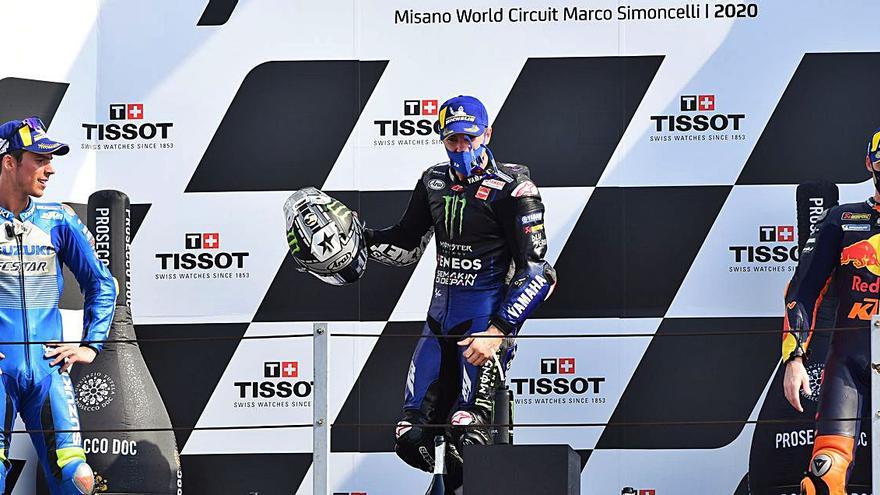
<point>17,154</point>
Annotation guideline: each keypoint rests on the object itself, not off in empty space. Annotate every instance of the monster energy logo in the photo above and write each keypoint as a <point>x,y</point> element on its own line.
<point>453,210</point>
<point>293,242</point>
<point>339,209</point>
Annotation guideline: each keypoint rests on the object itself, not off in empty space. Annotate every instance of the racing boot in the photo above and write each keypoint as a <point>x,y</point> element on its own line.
<point>414,444</point>
<point>465,429</point>
<point>829,466</point>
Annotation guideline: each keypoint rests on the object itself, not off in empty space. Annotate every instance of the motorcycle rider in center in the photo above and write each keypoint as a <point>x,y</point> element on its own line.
<point>488,220</point>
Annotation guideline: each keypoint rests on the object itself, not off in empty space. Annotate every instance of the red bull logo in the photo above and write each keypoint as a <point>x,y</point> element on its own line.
<point>863,254</point>
<point>860,285</point>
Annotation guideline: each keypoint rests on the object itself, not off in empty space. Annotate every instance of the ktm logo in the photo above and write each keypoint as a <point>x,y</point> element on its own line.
<point>863,310</point>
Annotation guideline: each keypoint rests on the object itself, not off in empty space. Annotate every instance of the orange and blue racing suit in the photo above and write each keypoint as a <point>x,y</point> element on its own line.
<point>842,255</point>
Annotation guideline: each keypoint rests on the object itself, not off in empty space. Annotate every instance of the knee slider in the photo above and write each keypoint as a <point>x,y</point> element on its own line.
<point>80,475</point>
<point>414,446</point>
<point>829,466</point>
<point>84,479</point>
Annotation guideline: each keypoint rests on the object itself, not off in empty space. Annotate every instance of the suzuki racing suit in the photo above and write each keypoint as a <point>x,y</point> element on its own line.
<point>32,250</point>
<point>490,270</point>
<point>842,255</point>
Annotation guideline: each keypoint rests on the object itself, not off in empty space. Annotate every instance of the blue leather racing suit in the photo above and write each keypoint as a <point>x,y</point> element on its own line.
<point>490,239</point>
<point>33,248</point>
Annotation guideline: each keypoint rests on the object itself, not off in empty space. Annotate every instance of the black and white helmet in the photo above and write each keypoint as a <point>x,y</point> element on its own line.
<point>325,238</point>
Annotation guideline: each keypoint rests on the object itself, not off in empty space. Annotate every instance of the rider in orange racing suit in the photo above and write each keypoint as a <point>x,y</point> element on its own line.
<point>842,255</point>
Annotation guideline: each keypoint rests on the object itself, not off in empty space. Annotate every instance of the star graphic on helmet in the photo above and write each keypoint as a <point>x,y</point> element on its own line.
<point>327,243</point>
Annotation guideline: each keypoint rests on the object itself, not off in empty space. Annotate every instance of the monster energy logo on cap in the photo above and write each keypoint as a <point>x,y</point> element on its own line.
<point>453,210</point>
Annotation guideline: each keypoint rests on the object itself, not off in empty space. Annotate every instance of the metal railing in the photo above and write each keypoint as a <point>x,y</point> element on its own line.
<point>875,403</point>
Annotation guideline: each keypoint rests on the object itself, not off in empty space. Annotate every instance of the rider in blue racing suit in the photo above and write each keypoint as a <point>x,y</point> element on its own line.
<point>488,220</point>
<point>35,240</point>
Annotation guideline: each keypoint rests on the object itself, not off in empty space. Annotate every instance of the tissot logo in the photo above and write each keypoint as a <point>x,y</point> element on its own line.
<point>776,245</point>
<point>565,384</point>
<point>692,103</point>
<point>127,111</point>
<point>706,103</point>
<point>776,233</point>
<point>688,103</point>
<point>126,129</point>
<point>277,382</point>
<point>419,125</point>
<point>697,120</point>
<point>420,107</point>
<point>553,366</point>
<point>208,240</point>
<point>281,369</point>
<point>202,254</point>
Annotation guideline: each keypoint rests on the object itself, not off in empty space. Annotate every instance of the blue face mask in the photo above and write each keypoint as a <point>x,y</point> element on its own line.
<point>465,162</point>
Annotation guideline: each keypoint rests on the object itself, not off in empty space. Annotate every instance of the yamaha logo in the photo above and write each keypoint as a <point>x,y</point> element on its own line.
<point>95,391</point>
